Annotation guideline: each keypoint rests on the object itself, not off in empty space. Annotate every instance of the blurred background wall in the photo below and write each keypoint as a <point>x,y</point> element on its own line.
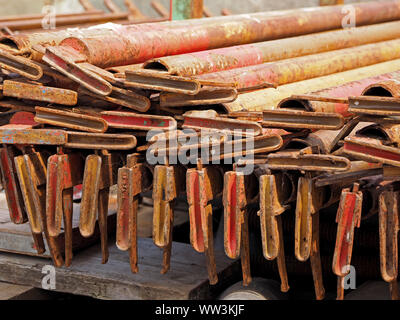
<point>8,7</point>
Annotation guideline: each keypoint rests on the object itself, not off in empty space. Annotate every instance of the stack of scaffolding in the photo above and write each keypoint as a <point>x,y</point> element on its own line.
<point>264,111</point>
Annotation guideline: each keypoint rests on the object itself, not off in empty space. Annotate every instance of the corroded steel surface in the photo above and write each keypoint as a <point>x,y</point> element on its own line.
<point>126,98</point>
<point>202,62</point>
<point>271,207</point>
<point>249,128</point>
<point>30,136</point>
<point>98,177</point>
<point>206,96</point>
<point>388,236</point>
<point>295,160</point>
<point>203,185</point>
<point>374,106</point>
<point>167,184</point>
<point>309,201</point>
<point>301,120</point>
<point>70,120</point>
<point>129,125</point>
<point>151,41</point>
<point>20,65</point>
<point>32,171</point>
<point>64,171</point>
<point>21,90</point>
<point>307,67</point>
<point>348,218</point>
<point>99,141</point>
<point>162,82</point>
<point>11,185</point>
<point>136,121</point>
<point>133,179</point>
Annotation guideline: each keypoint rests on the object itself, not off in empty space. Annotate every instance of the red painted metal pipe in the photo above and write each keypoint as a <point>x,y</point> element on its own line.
<point>197,63</point>
<point>134,44</point>
<point>23,42</point>
<point>307,67</point>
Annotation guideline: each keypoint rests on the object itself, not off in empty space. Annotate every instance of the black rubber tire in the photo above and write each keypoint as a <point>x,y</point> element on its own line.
<point>259,289</point>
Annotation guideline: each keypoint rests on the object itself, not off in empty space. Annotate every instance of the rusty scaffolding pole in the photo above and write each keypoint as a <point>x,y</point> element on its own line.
<point>186,9</point>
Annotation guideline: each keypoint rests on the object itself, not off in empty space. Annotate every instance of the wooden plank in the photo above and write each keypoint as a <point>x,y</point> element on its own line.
<point>18,238</point>
<point>187,278</point>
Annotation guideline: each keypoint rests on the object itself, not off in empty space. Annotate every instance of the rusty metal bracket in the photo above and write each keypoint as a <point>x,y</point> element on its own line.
<point>167,184</point>
<point>68,139</point>
<point>377,106</point>
<point>133,179</point>
<point>161,81</point>
<point>303,160</point>
<point>294,119</point>
<point>246,128</point>
<point>240,191</point>
<point>137,121</point>
<point>203,184</point>
<point>97,179</point>
<point>270,212</point>
<point>31,170</point>
<point>123,97</point>
<point>71,120</point>
<point>30,91</point>
<point>309,201</point>
<point>237,148</point>
<point>183,141</point>
<point>348,218</point>
<point>67,61</point>
<point>371,150</point>
<point>391,173</point>
<point>388,238</point>
<point>23,66</point>
<point>318,97</point>
<point>64,171</point>
<point>105,74</point>
<point>206,96</point>
<point>98,141</point>
<point>11,186</point>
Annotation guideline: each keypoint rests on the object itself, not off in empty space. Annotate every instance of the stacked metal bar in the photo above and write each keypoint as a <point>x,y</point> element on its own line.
<point>263,111</point>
